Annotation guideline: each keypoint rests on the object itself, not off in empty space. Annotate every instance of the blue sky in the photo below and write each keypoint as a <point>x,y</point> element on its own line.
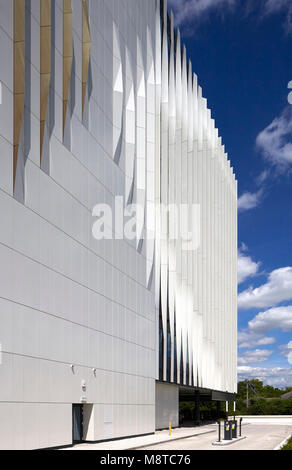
<point>241,51</point>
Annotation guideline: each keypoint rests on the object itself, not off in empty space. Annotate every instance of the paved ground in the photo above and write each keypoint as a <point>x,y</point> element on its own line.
<point>158,437</point>
<point>263,433</point>
<point>259,437</point>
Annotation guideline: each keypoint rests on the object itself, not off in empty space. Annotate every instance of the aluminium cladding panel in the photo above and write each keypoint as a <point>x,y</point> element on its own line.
<point>164,182</point>
<point>35,425</point>
<point>167,405</point>
<point>184,195</point>
<point>6,106</point>
<point>158,85</point>
<point>65,298</point>
<point>178,200</point>
<point>171,184</point>
<point>202,294</point>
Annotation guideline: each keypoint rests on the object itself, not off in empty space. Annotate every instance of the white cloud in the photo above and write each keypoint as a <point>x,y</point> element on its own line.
<point>246,267</point>
<point>275,141</point>
<point>277,289</point>
<point>286,349</point>
<point>279,317</point>
<point>249,201</point>
<point>248,339</point>
<point>254,356</point>
<point>263,176</point>
<point>189,10</point>
<point>277,376</point>
<point>276,6</point>
<point>243,247</point>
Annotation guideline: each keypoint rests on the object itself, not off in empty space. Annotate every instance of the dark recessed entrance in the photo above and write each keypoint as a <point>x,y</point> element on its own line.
<point>77,421</point>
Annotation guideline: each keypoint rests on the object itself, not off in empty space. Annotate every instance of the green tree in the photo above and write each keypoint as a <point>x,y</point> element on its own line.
<point>258,407</point>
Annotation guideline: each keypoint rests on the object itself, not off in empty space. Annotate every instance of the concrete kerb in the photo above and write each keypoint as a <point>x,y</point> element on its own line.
<point>165,441</point>
<point>228,443</point>
<point>283,443</point>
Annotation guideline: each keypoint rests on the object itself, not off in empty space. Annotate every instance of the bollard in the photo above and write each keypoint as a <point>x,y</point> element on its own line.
<point>170,428</point>
<point>219,431</point>
<point>234,429</point>
<point>240,421</point>
<point>227,431</point>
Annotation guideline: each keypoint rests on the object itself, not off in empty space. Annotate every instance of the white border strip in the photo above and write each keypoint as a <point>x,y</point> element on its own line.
<point>283,443</point>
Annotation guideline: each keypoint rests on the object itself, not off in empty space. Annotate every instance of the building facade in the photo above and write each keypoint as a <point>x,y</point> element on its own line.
<point>99,331</point>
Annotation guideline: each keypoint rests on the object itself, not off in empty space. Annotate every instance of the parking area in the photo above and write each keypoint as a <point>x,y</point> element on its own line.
<point>262,433</point>
<point>258,437</point>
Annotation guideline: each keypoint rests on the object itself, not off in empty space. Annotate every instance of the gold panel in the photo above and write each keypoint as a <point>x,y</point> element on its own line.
<point>18,77</point>
<point>86,46</point>
<point>67,54</point>
<point>46,33</point>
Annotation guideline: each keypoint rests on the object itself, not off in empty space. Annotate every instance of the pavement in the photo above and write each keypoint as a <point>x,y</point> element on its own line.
<point>157,439</point>
<point>229,442</point>
<point>262,433</point>
<point>258,437</point>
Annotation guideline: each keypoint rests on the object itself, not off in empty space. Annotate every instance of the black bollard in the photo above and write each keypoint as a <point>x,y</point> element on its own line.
<point>240,421</point>
<point>227,431</point>
<point>219,431</point>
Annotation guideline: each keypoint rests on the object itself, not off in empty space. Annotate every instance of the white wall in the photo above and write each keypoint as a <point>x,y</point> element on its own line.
<point>66,298</point>
<point>167,405</point>
<point>34,425</point>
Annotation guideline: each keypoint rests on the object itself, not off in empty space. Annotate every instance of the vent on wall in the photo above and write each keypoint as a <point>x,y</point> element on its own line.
<point>19,78</point>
